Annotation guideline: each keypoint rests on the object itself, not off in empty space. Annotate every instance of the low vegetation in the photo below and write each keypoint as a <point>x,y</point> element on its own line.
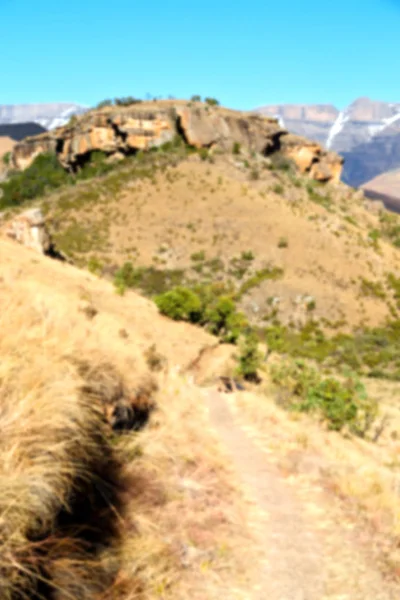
<point>340,403</point>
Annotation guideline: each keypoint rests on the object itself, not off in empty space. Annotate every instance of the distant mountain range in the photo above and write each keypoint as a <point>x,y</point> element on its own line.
<point>366,133</point>
<point>19,131</point>
<point>48,116</point>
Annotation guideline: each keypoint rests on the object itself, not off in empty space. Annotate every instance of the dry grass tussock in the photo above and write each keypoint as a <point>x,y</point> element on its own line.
<point>59,479</point>
<point>85,513</point>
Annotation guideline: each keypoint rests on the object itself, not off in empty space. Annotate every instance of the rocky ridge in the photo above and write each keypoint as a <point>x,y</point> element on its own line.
<point>366,133</point>
<point>120,131</point>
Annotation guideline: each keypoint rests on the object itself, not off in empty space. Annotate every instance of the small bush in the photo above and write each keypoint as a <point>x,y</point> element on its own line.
<point>195,98</point>
<point>126,101</point>
<point>247,255</point>
<point>155,361</point>
<point>211,101</point>
<point>180,304</point>
<point>283,242</point>
<point>7,158</point>
<point>236,148</point>
<point>311,305</point>
<point>204,153</point>
<point>198,256</point>
<point>221,318</point>
<point>278,189</point>
<point>249,358</point>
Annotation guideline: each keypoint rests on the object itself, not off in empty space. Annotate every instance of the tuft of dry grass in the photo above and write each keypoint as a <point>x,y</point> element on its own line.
<point>59,479</point>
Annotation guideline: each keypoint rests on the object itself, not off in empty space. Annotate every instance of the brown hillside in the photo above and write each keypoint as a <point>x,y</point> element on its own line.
<point>203,217</point>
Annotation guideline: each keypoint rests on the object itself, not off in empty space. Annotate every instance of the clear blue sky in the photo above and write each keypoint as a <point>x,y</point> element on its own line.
<point>244,53</point>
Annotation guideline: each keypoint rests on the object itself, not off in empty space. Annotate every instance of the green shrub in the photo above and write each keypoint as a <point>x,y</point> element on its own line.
<point>249,359</point>
<point>126,101</point>
<point>311,305</point>
<point>236,148</point>
<point>278,189</point>
<point>221,318</point>
<point>180,304</point>
<point>247,255</point>
<point>43,174</point>
<point>204,153</point>
<point>7,158</point>
<point>339,403</point>
<point>195,98</point>
<point>198,256</point>
<point>283,242</point>
<point>211,101</point>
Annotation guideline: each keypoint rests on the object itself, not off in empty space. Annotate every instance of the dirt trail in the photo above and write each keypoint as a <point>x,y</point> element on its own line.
<point>310,552</point>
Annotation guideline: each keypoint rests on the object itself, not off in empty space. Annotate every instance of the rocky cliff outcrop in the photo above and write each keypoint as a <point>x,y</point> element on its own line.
<point>366,133</point>
<point>29,229</point>
<point>147,125</point>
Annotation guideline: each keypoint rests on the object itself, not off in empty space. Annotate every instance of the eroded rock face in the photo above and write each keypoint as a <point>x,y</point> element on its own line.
<point>311,158</point>
<point>29,229</point>
<point>124,130</point>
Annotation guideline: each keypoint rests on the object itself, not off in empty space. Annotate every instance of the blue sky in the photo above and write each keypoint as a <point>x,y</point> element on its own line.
<point>245,53</point>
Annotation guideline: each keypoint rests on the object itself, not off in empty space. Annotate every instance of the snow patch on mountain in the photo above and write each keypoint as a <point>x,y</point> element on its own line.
<point>336,128</point>
<point>48,116</point>
<point>378,127</point>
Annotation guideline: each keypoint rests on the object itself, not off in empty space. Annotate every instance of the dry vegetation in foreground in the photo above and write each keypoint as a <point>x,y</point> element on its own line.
<point>363,475</point>
<point>144,515</point>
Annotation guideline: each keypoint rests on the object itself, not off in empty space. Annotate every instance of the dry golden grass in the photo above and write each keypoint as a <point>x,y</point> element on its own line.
<point>73,522</point>
<point>58,477</point>
<point>163,219</point>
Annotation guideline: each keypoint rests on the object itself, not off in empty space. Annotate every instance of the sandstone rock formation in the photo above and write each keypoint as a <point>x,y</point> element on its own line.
<point>366,133</point>
<point>143,126</point>
<point>29,229</point>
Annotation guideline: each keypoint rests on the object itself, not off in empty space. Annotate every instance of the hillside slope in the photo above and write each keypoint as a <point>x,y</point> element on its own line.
<point>199,507</point>
<point>281,241</point>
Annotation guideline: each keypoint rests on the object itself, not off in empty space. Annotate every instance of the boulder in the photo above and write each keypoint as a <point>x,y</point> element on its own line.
<point>29,229</point>
<point>311,158</point>
<point>120,130</point>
